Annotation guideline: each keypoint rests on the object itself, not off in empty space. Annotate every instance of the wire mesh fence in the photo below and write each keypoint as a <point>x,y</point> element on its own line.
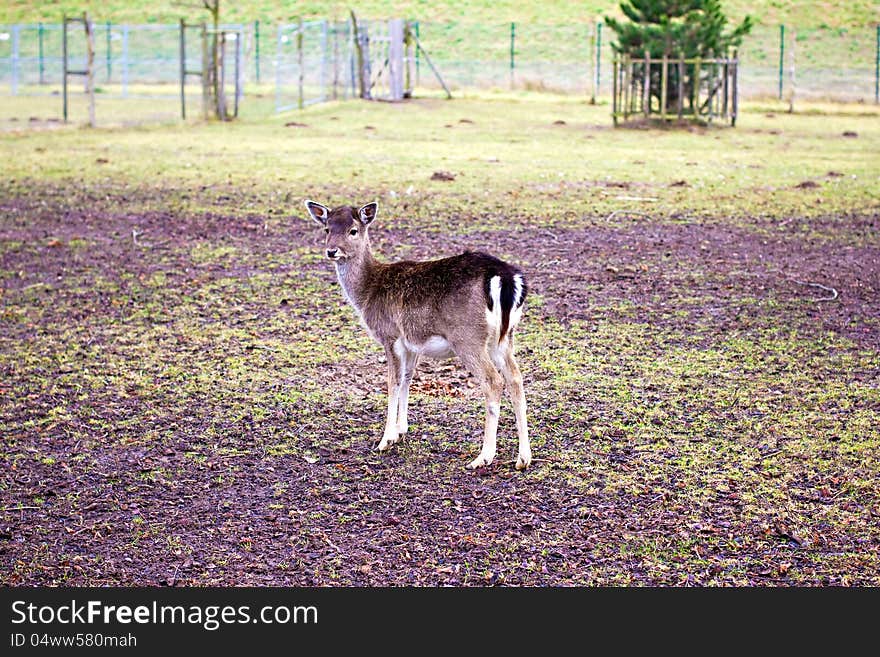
<point>312,63</point>
<point>137,67</point>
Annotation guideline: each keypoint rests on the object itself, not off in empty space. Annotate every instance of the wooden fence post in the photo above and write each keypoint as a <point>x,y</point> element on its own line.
<point>409,52</point>
<point>206,77</point>
<point>726,87</point>
<point>614,90</point>
<point>664,81</point>
<point>220,76</point>
<point>395,58</point>
<point>710,88</point>
<point>646,92</point>
<point>735,91</point>
<point>593,62</point>
<point>90,67</point>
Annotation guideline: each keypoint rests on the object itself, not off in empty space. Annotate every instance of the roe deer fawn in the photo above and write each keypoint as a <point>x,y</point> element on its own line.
<point>467,305</point>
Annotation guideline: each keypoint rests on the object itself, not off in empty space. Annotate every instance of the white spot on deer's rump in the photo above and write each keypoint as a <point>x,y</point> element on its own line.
<point>493,317</point>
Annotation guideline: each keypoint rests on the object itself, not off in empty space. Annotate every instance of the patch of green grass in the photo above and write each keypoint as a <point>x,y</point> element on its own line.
<point>511,165</point>
<point>808,13</point>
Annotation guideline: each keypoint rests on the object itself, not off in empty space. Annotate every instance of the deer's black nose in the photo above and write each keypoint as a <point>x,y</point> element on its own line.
<point>331,253</point>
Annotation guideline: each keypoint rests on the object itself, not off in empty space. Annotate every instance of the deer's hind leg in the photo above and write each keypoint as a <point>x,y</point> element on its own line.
<point>503,357</point>
<point>409,360</point>
<point>480,365</point>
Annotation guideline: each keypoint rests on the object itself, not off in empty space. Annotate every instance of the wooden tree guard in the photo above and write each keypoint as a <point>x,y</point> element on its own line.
<point>88,72</point>
<point>409,58</point>
<point>184,71</point>
<point>705,89</point>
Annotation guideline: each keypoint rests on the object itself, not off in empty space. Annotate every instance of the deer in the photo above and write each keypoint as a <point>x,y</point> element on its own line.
<point>466,305</point>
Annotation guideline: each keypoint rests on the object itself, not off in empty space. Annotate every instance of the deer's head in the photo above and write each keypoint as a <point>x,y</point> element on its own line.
<point>346,229</point>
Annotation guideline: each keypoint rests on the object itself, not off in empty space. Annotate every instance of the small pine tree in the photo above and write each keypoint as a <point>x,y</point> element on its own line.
<point>673,28</point>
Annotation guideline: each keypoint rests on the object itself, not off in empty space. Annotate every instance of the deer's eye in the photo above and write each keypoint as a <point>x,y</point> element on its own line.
<point>353,231</point>
<point>327,230</point>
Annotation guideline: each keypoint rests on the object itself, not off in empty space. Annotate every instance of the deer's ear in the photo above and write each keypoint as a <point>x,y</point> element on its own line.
<point>320,213</point>
<point>368,213</point>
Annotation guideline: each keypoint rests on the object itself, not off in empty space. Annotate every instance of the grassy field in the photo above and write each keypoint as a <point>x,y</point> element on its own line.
<point>809,13</point>
<point>186,398</point>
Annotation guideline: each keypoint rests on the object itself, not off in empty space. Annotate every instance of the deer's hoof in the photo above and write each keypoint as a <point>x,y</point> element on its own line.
<point>480,462</point>
<point>387,441</point>
<point>523,461</point>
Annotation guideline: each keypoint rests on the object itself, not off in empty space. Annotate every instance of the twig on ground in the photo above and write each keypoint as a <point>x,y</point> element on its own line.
<point>135,233</point>
<point>632,212</point>
<point>174,576</point>
<point>331,543</point>
<point>830,290</point>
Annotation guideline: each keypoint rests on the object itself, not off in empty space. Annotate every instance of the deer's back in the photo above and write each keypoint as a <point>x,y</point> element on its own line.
<point>410,297</point>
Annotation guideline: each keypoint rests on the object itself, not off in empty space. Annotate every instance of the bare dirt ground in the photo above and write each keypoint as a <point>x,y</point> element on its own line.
<point>185,400</point>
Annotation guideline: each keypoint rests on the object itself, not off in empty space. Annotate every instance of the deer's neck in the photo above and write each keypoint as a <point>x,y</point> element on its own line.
<point>354,275</point>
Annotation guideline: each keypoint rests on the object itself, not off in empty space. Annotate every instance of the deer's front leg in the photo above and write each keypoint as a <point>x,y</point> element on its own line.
<point>391,435</point>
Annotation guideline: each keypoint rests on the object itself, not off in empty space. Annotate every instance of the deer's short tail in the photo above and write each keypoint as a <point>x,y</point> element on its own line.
<point>505,296</point>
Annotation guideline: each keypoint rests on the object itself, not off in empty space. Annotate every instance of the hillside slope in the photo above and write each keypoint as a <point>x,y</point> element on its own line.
<point>806,13</point>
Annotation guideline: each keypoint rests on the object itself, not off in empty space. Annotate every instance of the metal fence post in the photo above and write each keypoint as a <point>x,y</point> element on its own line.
<point>598,59</point>
<point>592,48</point>
<point>781,57</point>
<point>64,65</point>
<point>42,61</point>
<point>418,80</point>
<point>16,42</point>
<point>125,61</point>
<point>512,51</point>
<point>299,62</point>
<point>257,50</point>
<point>278,70</point>
<point>324,48</point>
<point>109,65</point>
<point>239,83</point>
<point>182,70</point>
<point>877,68</point>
